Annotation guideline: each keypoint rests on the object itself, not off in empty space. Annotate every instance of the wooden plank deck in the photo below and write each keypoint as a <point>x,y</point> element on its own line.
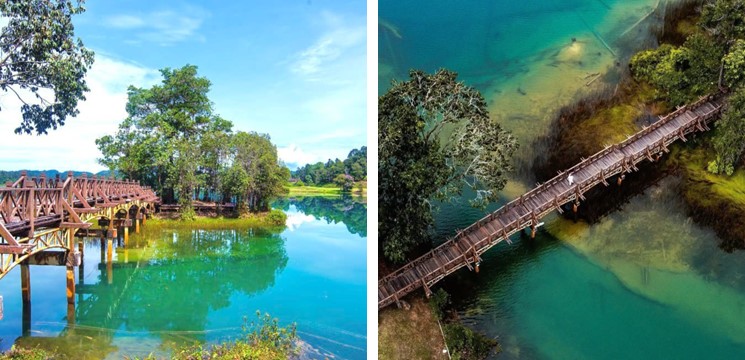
<point>465,248</point>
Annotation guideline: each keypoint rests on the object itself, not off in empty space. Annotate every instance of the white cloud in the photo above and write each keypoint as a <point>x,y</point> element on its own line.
<point>125,22</point>
<point>295,157</point>
<point>295,219</point>
<point>161,27</point>
<point>336,43</point>
<point>72,146</point>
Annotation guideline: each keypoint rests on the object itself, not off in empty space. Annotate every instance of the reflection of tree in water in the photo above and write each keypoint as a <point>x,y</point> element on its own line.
<point>180,279</point>
<point>334,210</point>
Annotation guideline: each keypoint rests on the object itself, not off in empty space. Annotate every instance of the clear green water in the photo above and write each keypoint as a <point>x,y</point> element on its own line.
<point>175,286</point>
<point>643,283</point>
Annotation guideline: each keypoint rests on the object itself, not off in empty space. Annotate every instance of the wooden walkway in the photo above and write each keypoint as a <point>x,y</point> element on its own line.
<point>38,214</point>
<point>465,248</point>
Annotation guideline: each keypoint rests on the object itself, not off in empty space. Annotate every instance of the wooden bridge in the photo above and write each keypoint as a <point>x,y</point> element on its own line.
<point>40,214</point>
<point>465,248</point>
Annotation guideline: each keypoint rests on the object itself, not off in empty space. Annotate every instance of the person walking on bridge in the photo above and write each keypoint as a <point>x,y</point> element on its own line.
<point>571,179</point>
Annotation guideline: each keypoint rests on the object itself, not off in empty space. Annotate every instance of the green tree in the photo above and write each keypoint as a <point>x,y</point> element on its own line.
<point>420,161</point>
<point>729,138</point>
<point>724,20</point>
<point>265,175</point>
<point>158,142</point>
<point>344,181</point>
<point>39,53</point>
<point>734,65</point>
<point>680,74</point>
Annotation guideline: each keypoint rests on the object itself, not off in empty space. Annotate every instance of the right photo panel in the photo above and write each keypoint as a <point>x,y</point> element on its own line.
<point>561,180</point>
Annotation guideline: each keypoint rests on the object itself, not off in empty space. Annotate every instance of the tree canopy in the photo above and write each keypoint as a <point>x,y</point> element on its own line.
<point>435,138</point>
<point>355,165</point>
<point>683,73</point>
<point>171,140</point>
<point>41,61</point>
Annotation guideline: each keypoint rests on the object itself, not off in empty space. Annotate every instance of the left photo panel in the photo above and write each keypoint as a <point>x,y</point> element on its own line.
<point>183,180</point>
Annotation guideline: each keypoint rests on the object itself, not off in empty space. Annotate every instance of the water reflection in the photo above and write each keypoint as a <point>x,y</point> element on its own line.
<point>172,286</point>
<point>350,210</point>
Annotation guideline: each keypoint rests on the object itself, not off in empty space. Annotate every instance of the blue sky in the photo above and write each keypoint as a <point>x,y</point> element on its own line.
<point>294,69</point>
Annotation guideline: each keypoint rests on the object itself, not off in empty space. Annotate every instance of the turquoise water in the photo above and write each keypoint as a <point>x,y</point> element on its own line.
<point>176,286</point>
<point>643,283</point>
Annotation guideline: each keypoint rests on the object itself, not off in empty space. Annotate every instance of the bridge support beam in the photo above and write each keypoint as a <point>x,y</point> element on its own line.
<point>126,235</point>
<point>25,282</point>
<point>137,226</point>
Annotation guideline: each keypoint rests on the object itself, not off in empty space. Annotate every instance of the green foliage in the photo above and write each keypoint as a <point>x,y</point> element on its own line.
<point>187,213</point>
<point>263,175</point>
<point>344,181</point>
<point>729,137</point>
<point>734,65</point>
<point>16,353</point>
<point>173,142</point>
<point>439,300</point>
<point>320,173</point>
<point>643,64</point>
<point>158,141</point>
<point>418,161</point>
<point>724,20</point>
<point>263,339</point>
<point>40,52</point>
<point>680,74</point>
<point>466,344</point>
<point>299,183</point>
<point>277,217</point>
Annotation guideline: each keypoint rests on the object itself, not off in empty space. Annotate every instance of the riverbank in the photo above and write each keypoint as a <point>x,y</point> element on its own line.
<point>263,339</point>
<point>212,221</point>
<point>410,334</point>
<point>324,191</point>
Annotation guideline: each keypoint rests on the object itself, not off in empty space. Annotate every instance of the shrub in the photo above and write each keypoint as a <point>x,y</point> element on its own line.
<point>438,301</point>
<point>276,217</point>
<point>465,343</point>
<point>16,353</point>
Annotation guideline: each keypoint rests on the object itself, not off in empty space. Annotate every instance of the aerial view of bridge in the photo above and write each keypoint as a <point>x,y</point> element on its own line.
<point>465,248</point>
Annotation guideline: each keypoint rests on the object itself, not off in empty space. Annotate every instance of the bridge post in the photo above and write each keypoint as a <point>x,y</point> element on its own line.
<point>69,267</point>
<point>25,282</point>
<point>137,221</point>
<point>30,206</point>
<point>109,259</point>
<point>103,249</point>
<point>111,232</point>
<point>81,272</point>
<point>81,247</point>
<point>126,235</point>
<point>70,284</point>
<point>26,318</point>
